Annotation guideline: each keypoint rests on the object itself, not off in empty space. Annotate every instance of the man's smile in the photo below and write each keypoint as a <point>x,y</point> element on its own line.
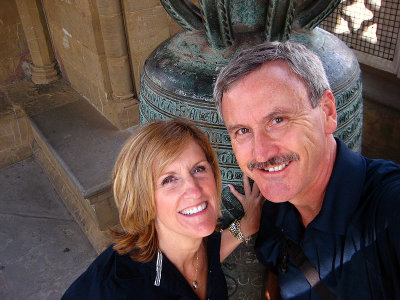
<point>277,168</point>
<point>274,164</point>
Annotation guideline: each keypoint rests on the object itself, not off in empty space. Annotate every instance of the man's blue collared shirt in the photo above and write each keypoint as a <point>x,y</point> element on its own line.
<point>354,242</point>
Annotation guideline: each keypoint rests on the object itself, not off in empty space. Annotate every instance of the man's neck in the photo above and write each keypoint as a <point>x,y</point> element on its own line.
<point>310,205</point>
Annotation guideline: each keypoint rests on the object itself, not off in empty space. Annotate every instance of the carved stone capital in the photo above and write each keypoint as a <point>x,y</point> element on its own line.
<point>44,74</point>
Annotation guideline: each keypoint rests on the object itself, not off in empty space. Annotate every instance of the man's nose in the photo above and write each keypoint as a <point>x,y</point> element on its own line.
<point>263,146</point>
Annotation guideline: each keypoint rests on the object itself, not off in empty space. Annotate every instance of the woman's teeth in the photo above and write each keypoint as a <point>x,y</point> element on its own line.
<point>276,168</point>
<point>194,210</point>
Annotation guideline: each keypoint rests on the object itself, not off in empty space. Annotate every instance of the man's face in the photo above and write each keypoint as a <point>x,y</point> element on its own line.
<point>279,140</point>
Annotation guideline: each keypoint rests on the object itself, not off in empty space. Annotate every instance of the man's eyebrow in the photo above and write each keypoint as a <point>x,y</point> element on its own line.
<point>233,128</point>
<point>270,116</point>
<point>276,112</point>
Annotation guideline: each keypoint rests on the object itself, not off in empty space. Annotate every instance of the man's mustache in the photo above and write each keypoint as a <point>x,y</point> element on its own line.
<point>276,160</point>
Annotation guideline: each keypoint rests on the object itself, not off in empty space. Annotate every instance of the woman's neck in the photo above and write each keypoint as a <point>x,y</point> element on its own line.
<point>190,258</point>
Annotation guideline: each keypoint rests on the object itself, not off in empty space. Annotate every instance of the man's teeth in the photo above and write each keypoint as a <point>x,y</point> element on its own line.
<point>277,168</point>
<point>194,210</point>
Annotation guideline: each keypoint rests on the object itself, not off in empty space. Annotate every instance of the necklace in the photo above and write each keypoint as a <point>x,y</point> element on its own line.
<point>195,283</point>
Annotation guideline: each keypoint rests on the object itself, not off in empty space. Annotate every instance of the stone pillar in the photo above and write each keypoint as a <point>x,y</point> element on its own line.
<point>38,39</point>
<point>116,50</point>
<point>147,25</point>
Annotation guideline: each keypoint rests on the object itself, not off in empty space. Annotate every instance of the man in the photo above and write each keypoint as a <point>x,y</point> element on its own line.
<point>331,227</point>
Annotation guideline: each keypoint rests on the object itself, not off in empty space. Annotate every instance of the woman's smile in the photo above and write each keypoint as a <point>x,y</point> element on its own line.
<point>194,210</point>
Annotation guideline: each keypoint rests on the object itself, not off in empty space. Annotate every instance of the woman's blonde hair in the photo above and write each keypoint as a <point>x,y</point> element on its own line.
<point>135,174</point>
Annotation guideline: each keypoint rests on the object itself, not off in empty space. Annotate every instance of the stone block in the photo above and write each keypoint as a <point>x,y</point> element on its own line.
<point>14,131</point>
<point>12,155</point>
<point>105,210</point>
<point>113,32</point>
<point>109,8</point>
<point>137,66</point>
<point>77,80</point>
<point>121,80</point>
<point>84,7</point>
<point>34,99</point>
<point>136,5</point>
<point>92,66</point>
<point>97,94</point>
<point>15,137</point>
<point>69,50</point>
<point>8,13</point>
<point>122,115</point>
<point>147,29</point>
<point>127,113</point>
<point>13,46</point>
<point>72,21</point>
<point>7,68</point>
<point>77,206</point>
<point>10,41</point>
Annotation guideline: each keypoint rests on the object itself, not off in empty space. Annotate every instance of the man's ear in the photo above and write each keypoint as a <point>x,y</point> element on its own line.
<point>328,108</point>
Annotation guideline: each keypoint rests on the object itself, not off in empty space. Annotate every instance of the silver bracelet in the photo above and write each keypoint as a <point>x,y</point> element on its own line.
<point>234,228</point>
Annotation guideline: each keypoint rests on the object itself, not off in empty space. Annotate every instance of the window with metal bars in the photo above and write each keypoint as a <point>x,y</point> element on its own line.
<point>370,27</point>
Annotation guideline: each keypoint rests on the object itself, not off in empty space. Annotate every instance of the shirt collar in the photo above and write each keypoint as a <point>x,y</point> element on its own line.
<point>341,197</point>
<point>343,192</point>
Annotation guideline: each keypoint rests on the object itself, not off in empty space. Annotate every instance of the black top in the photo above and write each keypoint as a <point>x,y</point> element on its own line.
<point>114,276</point>
<point>354,241</point>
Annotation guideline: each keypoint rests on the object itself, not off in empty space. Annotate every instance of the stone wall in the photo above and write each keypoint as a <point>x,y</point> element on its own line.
<point>81,60</point>
<point>147,25</point>
<point>13,47</point>
<point>15,133</point>
<point>90,43</point>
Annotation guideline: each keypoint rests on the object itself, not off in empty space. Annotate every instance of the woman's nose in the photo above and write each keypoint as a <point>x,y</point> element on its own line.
<point>192,187</point>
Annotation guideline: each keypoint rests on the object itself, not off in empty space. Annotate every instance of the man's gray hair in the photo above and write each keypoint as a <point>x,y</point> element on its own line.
<point>300,60</point>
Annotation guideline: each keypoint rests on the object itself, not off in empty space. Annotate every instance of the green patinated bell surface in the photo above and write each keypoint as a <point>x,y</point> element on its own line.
<point>178,78</point>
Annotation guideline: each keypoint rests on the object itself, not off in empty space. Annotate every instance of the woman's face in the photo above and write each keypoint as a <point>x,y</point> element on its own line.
<point>186,196</point>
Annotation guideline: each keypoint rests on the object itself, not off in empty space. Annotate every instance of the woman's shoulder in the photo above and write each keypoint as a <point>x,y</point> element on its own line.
<point>108,275</point>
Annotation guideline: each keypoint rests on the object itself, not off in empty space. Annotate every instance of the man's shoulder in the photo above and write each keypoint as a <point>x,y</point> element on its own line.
<point>382,179</point>
<point>381,169</point>
<point>381,192</point>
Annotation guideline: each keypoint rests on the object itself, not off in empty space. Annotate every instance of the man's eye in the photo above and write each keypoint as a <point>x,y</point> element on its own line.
<point>243,131</point>
<point>167,180</point>
<point>277,120</point>
<point>198,169</point>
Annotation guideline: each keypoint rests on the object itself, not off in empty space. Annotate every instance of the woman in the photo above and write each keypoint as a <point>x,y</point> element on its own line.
<point>167,187</point>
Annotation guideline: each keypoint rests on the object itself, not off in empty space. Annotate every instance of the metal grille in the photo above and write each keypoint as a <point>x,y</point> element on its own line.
<point>370,26</point>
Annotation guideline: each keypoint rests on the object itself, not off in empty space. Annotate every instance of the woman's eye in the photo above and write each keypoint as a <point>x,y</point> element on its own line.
<point>167,180</point>
<point>199,169</point>
<point>242,131</point>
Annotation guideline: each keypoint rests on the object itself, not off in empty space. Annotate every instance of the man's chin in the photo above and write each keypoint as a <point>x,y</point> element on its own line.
<point>275,194</point>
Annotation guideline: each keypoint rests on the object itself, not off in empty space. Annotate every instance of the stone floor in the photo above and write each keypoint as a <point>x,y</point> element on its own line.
<point>42,249</point>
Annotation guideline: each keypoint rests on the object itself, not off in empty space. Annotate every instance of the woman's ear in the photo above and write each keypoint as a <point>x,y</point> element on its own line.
<point>328,108</point>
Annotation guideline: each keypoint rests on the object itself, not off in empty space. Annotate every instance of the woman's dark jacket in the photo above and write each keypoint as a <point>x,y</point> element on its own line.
<point>114,276</point>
